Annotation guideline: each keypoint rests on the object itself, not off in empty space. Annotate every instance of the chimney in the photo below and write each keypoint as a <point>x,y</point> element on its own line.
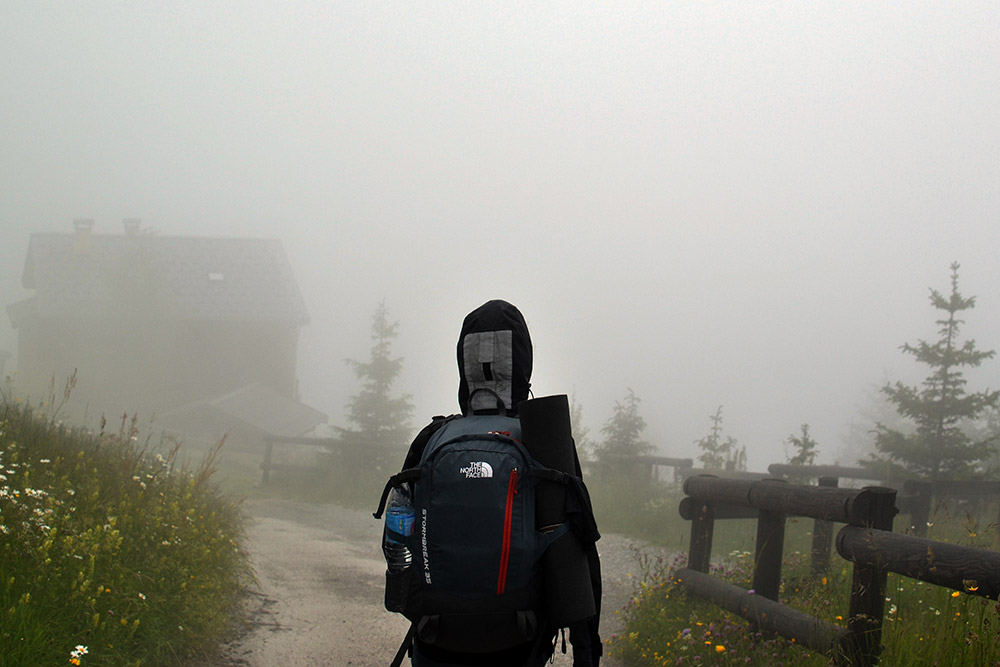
<point>81,244</point>
<point>132,226</point>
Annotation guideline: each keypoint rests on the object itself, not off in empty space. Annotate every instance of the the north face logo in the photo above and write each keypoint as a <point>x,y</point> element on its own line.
<point>477,470</point>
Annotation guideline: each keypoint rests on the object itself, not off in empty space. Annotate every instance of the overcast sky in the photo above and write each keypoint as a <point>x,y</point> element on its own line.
<point>710,203</point>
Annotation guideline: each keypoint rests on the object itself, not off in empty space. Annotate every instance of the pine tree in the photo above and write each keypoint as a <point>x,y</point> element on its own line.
<point>623,431</point>
<point>939,446</point>
<point>718,452</point>
<point>380,419</point>
<point>805,448</point>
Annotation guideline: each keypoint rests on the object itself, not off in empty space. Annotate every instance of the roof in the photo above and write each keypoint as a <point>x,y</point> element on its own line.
<point>83,275</point>
<point>252,410</point>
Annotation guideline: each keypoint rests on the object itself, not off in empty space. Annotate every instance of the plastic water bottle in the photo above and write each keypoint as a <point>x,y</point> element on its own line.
<point>399,517</point>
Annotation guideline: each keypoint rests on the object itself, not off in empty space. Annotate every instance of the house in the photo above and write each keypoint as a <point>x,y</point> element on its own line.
<point>159,324</point>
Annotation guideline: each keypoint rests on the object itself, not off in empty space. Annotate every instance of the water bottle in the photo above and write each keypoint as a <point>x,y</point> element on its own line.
<point>399,517</point>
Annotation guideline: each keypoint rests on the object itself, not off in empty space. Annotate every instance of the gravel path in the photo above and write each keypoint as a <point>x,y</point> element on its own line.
<point>319,598</point>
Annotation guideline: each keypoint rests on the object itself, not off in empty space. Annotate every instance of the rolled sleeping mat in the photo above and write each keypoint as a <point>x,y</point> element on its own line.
<point>546,432</point>
<point>547,435</point>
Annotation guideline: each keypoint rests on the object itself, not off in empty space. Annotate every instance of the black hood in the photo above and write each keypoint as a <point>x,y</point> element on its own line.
<point>494,355</point>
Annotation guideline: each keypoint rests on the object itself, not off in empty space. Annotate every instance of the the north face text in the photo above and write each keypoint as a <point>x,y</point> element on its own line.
<point>477,470</point>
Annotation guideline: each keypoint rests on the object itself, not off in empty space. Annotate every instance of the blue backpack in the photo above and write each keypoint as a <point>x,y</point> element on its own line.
<point>474,585</point>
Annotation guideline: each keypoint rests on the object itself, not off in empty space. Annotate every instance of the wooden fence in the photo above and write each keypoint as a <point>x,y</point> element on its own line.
<point>867,541</point>
<point>803,472</point>
<point>646,468</point>
<point>651,464</point>
<point>267,465</point>
<point>920,496</point>
<point>684,473</point>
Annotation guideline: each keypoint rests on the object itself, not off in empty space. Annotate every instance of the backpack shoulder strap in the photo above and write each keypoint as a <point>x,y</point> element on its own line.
<point>417,446</point>
<point>405,646</point>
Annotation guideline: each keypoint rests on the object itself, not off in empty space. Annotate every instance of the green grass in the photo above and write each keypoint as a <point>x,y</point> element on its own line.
<point>646,510</point>
<point>924,624</point>
<point>109,556</point>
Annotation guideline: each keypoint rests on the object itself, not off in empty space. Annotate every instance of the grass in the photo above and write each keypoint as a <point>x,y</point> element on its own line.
<point>646,510</point>
<point>924,624</point>
<point>109,556</point>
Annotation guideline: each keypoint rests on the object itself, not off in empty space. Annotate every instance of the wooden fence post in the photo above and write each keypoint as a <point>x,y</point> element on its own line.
<point>769,550</point>
<point>822,537</point>
<point>702,527</point>
<point>867,606</point>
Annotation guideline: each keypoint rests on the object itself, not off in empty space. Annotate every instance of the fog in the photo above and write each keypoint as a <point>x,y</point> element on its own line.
<point>708,203</point>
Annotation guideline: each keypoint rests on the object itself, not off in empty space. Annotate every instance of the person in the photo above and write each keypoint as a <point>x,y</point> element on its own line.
<point>495,362</point>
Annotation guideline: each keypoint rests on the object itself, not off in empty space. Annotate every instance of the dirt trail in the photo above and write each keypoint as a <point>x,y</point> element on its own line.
<point>319,599</point>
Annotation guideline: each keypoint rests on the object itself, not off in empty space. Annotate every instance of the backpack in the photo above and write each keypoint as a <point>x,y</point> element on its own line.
<point>474,585</point>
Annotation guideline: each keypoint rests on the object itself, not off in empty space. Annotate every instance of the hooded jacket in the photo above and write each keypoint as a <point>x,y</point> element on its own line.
<point>494,359</point>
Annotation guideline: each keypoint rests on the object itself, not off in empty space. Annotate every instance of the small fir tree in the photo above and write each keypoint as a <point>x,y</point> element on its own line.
<point>718,452</point>
<point>804,446</point>
<point>623,432</point>
<point>939,446</point>
<point>380,418</point>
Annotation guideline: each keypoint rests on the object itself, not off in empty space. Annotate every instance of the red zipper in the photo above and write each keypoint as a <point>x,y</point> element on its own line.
<point>507,520</point>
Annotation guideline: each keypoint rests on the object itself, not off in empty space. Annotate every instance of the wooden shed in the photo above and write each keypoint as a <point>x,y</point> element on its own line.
<point>152,323</point>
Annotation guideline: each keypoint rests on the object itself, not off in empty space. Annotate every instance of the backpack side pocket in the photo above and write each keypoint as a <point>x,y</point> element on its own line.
<point>397,589</point>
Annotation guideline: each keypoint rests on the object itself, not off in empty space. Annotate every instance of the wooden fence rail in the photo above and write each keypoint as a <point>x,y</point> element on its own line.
<point>685,473</point>
<point>802,472</point>
<point>649,465</point>
<point>920,495</point>
<point>968,569</point>
<point>768,616</point>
